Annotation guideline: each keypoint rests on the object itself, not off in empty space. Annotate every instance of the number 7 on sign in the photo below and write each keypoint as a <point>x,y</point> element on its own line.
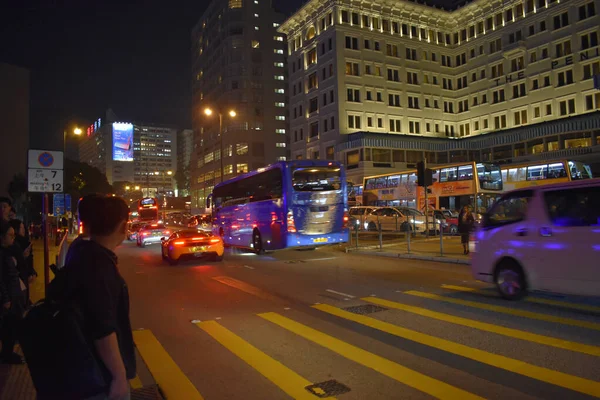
<point>53,174</point>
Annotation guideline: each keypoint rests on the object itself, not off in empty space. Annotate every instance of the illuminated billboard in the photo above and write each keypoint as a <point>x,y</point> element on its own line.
<point>122,141</point>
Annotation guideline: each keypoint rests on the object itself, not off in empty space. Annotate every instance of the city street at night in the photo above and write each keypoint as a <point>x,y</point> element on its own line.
<point>323,323</point>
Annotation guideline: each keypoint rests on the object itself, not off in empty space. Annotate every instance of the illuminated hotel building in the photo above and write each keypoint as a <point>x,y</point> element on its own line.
<point>381,85</point>
<point>143,157</point>
<point>238,63</point>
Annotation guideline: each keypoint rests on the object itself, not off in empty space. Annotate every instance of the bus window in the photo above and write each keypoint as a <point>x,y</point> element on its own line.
<point>448,174</point>
<point>381,182</point>
<point>517,174</point>
<point>504,175</point>
<point>370,184</point>
<point>393,181</point>
<point>490,177</point>
<point>412,180</point>
<point>557,170</point>
<point>537,172</point>
<point>435,176</point>
<point>579,170</point>
<point>465,172</point>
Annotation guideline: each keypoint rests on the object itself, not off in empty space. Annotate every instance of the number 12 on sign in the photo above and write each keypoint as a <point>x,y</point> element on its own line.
<point>45,180</point>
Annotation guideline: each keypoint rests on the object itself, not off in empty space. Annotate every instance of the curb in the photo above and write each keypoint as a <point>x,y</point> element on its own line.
<point>415,257</point>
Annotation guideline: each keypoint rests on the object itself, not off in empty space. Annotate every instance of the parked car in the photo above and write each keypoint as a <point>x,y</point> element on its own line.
<point>449,220</point>
<point>395,219</point>
<point>151,233</point>
<point>191,244</point>
<point>541,238</point>
<point>357,216</point>
<point>201,222</point>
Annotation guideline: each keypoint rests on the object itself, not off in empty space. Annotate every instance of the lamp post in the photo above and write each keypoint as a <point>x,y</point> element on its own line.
<point>232,114</point>
<point>76,131</point>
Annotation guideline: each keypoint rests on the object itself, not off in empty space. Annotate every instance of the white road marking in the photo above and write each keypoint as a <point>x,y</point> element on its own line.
<point>286,308</point>
<point>340,293</point>
<point>217,318</point>
<point>321,259</point>
<point>249,267</point>
<point>196,321</point>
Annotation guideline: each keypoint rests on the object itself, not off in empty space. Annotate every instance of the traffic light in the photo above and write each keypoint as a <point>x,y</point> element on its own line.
<point>424,175</point>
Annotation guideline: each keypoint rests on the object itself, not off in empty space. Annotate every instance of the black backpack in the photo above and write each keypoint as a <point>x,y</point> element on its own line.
<point>62,361</point>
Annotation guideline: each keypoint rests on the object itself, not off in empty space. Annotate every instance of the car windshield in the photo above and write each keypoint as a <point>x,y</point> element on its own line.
<point>313,179</point>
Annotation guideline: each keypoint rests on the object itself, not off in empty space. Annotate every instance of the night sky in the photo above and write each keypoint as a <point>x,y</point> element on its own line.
<point>88,55</point>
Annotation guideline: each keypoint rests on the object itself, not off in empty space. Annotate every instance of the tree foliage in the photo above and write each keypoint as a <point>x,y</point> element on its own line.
<point>82,179</point>
<point>182,178</point>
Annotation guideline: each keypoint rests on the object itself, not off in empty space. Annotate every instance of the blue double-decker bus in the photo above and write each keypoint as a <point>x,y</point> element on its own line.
<point>300,203</point>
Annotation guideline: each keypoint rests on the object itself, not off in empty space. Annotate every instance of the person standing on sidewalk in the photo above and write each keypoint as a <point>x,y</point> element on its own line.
<point>13,297</point>
<point>91,280</point>
<point>5,207</point>
<point>465,226</point>
<point>21,251</point>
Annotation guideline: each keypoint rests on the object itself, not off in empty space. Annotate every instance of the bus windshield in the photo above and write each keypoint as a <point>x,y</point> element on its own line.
<point>316,179</point>
<point>490,177</point>
<point>579,170</point>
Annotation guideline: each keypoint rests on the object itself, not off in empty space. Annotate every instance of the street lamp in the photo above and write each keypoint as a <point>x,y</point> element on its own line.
<point>77,131</point>
<point>232,114</point>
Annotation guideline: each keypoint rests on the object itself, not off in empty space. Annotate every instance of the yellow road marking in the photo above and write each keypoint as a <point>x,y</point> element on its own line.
<point>520,367</point>
<point>424,383</point>
<point>136,383</point>
<point>169,377</point>
<point>483,326</point>
<point>245,287</point>
<point>550,302</point>
<point>286,379</point>
<point>506,310</point>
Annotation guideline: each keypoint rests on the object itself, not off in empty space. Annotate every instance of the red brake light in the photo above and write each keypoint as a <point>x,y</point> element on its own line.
<point>154,225</point>
<point>166,233</point>
<point>179,242</point>
<point>346,219</point>
<point>145,233</point>
<point>215,240</point>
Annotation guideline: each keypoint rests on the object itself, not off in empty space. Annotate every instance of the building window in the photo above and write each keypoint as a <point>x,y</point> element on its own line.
<point>369,95</point>
<point>241,149</point>
<point>536,112</point>
<point>395,125</point>
<point>535,84</point>
<point>517,64</point>
<point>370,122</point>
<point>548,109</point>
<point>567,107</point>
<point>515,36</point>
<point>280,144</point>
<point>391,50</point>
<point>311,57</point>
<point>519,90</point>
<point>393,75</point>
<point>587,10</point>
<point>497,70</point>
<point>351,43</point>
<point>353,95</point>
<point>500,122</point>
<point>412,78</point>
<point>590,70</point>
<point>562,20</point>
<point>449,107</point>
<point>280,131</point>
<point>235,3</point>
<point>592,102</point>
<point>312,81</point>
<point>394,100</point>
<point>565,78</point>
<point>589,40</point>
<point>314,129</point>
<point>255,44</point>
<point>563,49</point>
<point>352,69</point>
<point>380,122</point>
<point>279,77</point>
<point>241,168</point>
<point>547,81</point>
<point>414,127</point>
<point>279,104</point>
<point>520,117</point>
<point>498,96</point>
<point>280,118</point>
<point>495,46</point>
<point>411,54</point>
<point>353,121</point>
<point>313,105</point>
<point>447,83</point>
<point>413,102</point>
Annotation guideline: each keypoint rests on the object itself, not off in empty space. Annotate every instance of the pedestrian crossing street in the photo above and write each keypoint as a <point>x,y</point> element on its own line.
<point>377,313</point>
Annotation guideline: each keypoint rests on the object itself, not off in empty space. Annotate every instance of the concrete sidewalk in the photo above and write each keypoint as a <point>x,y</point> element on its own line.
<point>420,249</point>
<point>15,381</point>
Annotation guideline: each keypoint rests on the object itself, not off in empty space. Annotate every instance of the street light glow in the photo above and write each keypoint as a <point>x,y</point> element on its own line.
<point>127,188</point>
<point>169,172</point>
<point>208,111</point>
<point>77,131</point>
<point>232,113</point>
<point>156,173</point>
<point>137,188</point>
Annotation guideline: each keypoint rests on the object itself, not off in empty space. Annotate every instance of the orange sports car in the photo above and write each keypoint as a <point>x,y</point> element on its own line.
<point>191,244</point>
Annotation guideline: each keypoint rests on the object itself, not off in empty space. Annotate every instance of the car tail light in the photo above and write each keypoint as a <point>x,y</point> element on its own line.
<point>291,226</point>
<point>166,233</point>
<point>145,233</point>
<point>179,242</point>
<point>346,219</point>
<point>215,240</point>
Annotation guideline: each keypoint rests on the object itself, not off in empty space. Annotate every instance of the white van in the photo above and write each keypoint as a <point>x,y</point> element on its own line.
<point>543,238</point>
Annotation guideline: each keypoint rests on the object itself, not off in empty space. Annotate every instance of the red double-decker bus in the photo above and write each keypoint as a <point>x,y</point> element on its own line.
<point>147,209</point>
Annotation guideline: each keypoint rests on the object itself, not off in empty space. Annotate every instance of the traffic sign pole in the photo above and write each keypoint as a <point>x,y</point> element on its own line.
<point>46,244</point>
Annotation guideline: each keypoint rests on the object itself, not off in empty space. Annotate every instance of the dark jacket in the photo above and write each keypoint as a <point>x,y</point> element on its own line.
<point>91,281</point>
<point>465,222</point>
<point>10,287</point>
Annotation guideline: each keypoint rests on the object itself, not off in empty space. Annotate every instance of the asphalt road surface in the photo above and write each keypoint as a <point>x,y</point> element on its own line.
<point>325,324</point>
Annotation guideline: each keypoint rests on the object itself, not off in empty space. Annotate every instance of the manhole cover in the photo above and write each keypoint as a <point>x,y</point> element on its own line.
<point>365,309</point>
<point>328,388</point>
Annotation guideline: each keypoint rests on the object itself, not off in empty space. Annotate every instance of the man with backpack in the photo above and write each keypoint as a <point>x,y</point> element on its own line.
<point>90,284</point>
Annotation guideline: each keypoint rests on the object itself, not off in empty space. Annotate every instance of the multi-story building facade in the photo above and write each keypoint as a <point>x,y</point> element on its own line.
<point>185,147</point>
<point>238,65</point>
<point>386,84</point>
<point>142,154</point>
